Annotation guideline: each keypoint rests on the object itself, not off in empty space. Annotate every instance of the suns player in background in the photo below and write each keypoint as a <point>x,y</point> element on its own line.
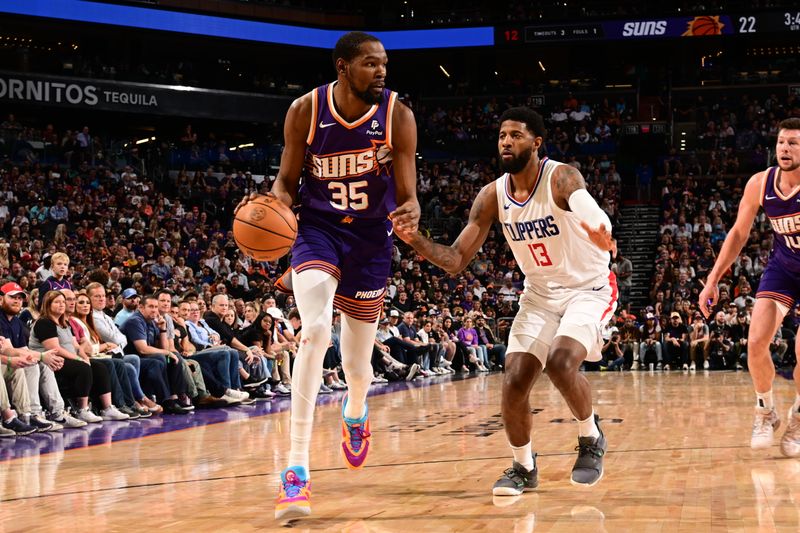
<point>561,239</point>
<point>777,190</point>
<point>349,163</point>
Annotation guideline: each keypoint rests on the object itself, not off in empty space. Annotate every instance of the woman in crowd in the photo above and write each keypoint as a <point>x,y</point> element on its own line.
<point>469,337</point>
<point>82,325</point>
<point>78,378</point>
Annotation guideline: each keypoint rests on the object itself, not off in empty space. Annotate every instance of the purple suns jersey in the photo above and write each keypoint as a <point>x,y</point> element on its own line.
<point>784,215</point>
<point>348,165</point>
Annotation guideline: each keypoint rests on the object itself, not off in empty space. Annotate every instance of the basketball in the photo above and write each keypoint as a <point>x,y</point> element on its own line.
<point>705,25</point>
<point>265,228</point>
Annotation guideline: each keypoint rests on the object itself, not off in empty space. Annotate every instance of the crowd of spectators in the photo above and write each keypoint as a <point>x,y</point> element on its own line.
<point>698,205</point>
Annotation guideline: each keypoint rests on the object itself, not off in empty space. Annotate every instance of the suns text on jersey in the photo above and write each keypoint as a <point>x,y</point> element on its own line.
<point>788,227</point>
<point>539,228</point>
<point>348,164</point>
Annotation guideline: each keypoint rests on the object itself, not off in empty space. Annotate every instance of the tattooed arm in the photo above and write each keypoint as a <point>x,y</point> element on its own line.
<point>570,194</point>
<point>566,180</point>
<point>456,257</point>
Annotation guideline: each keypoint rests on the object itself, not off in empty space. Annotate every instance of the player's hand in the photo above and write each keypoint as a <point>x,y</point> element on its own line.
<point>406,217</point>
<point>404,235</point>
<point>601,237</point>
<point>708,298</point>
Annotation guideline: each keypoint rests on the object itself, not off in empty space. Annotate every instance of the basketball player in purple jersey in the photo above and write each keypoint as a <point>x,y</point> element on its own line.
<point>349,162</point>
<point>777,190</point>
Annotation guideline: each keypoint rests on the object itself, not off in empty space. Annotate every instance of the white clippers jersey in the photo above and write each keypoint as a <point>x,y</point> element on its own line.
<point>549,244</point>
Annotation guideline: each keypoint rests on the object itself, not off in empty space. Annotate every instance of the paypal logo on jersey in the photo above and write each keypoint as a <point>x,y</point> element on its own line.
<point>540,228</point>
<point>373,128</point>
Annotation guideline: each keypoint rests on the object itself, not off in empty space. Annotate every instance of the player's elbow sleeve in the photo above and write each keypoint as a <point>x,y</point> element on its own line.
<point>586,209</point>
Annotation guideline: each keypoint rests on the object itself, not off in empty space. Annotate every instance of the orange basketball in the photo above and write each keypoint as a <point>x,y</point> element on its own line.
<point>265,228</point>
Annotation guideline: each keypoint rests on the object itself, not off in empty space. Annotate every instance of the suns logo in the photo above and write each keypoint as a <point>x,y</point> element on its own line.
<point>377,159</point>
<point>703,25</point>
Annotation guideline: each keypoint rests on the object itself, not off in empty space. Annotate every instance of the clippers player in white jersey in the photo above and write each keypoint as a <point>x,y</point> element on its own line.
<point>560,238</point>
<point>777,191</point>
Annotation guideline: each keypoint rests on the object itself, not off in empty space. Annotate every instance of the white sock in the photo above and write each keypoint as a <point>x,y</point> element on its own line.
<point>357,340</point>
<point>796,404</point>
<point>587,428</point>
<point>313,291</point>
<point>522,455</point>
<point>764,400</point>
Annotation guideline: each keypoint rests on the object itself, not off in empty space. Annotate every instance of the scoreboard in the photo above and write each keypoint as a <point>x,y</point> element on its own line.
<point>786,21</point>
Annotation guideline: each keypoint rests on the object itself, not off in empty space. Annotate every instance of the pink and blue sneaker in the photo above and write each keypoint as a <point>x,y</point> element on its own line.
<point>294,497</point>
<point>355,438</point>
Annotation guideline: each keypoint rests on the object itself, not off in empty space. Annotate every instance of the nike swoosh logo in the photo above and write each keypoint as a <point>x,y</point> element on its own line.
<point>506,206</point>
<point>389,233</point>
<point>322,125</point>
<point>598,288</point>
<point>770,197</point>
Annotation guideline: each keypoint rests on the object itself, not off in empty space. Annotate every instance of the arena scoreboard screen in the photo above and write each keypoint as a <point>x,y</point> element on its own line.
<point>787,21</point>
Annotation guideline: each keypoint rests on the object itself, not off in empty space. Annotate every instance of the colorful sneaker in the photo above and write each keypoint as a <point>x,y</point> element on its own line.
<point>294,498</point>
<point>764,426</point>
<point>355,438</point>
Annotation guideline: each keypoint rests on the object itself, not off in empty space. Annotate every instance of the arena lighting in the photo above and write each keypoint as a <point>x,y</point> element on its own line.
<point>145,140</point>
<point>173,21</point>
<point>445,72</point>
<point>541,66</point>
<point>246,145</point>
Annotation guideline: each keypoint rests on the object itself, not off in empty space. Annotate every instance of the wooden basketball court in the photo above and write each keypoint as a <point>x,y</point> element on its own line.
<point>679,460</point>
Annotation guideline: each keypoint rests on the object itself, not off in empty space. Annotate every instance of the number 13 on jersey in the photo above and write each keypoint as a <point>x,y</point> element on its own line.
<point>348,195</point>
<point>539,254</point>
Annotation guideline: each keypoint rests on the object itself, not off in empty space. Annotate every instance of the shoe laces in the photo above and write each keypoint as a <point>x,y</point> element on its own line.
<point>762,426</point>
<point>589,449</point>
<point>357,435</point>
<point>293,488</point>
<point>515,475</point>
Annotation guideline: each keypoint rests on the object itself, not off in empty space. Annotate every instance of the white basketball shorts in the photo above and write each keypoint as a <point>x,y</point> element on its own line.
<point>578,314</point>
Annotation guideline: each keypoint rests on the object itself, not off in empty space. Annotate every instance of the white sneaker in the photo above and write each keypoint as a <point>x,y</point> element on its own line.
<point>112,413</point>
<point>790,442</point>
<point>237,394</point>
<point>685,367</point>
<point>87,416</point>
<point>54,426</point>
<point>67,420</point>
<point>666,368</point>
<point>705,364</point>
<point>412,371</point>
<point>764,426</point>
<point>693,367</point>
<point>281,390</point>
<point>739,366</point>
<point>635,365</point>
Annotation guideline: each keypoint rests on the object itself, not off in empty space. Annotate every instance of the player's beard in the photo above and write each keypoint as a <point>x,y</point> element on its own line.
<point>792,166</point>
<point>368,97</point>
<point>516,164</point>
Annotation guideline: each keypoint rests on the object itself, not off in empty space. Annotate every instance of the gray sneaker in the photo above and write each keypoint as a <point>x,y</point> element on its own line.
<point>5,432</point>
<point>588,469</point>
<point>516,480</point>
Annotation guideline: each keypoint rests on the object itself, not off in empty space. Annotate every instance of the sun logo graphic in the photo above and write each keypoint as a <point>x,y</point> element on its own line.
<point>703,25</point>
